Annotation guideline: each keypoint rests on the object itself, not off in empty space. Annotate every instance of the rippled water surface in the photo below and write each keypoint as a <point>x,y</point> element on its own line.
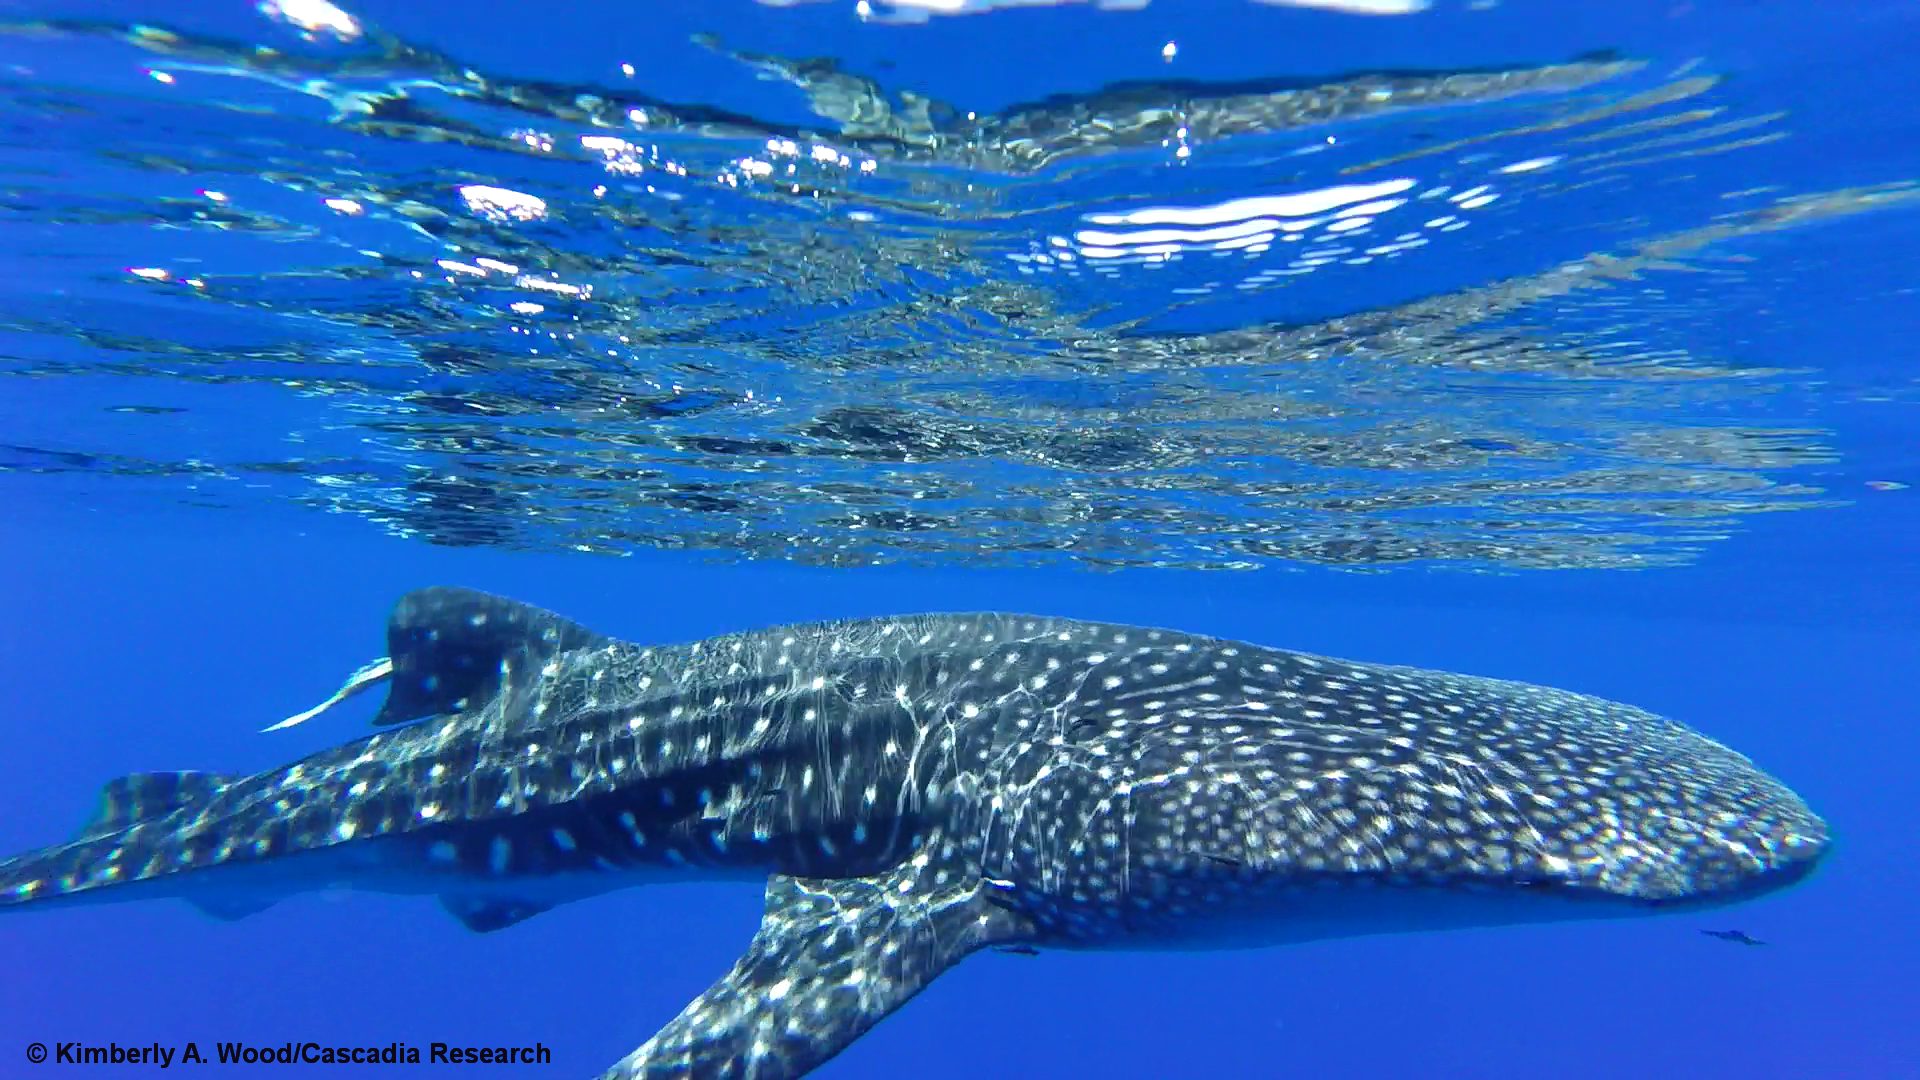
<point>1219,286</point>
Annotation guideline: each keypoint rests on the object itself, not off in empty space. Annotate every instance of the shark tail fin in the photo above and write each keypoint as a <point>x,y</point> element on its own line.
<point>132,799</point>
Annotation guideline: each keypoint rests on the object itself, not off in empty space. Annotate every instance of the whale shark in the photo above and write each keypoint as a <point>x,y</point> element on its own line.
<point>913,789</point>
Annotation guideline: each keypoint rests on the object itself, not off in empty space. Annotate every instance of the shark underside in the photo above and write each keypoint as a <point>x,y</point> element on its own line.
<point>914,789</point>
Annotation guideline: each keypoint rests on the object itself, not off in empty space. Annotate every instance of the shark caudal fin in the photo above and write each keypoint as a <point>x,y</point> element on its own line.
<point>831,959</point>
<point>447,650</point>
<point>116,845</point>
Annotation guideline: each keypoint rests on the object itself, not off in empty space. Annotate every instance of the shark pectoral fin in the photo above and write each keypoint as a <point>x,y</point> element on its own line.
<point>486,916</point>
<point>138,797</point>
<point>453,649</point>
<point>831,958</point>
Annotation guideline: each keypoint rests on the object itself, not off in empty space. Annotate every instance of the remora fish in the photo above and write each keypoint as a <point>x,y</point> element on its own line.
<point>917,788</point>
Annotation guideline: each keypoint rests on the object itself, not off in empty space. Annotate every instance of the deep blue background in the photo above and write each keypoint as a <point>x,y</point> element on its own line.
<point>133,638</point>
<point>149,643</point>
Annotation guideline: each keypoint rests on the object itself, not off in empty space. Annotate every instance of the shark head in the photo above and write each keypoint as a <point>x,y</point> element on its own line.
<point>1675,822</point>
<point>1216,794</point>
<point>1564,795</point>
<point>1672,819</point>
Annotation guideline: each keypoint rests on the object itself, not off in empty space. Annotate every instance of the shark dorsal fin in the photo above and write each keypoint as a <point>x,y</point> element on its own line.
<point>831,959</point>
<point>447,647</point>
<point>138,797</point>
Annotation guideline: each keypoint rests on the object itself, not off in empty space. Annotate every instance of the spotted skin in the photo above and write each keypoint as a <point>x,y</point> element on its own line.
<point>913,789</point>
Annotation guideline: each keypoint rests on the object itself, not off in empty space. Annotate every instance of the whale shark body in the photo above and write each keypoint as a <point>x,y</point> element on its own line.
<point>913,789</point>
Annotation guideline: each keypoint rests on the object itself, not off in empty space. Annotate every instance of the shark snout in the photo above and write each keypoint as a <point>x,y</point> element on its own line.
<point>1752,856</point>
<point>1754,838</point>
<point>1688,822</point>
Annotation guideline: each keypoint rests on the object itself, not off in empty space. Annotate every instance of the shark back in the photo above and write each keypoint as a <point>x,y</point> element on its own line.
<point>518,744</point>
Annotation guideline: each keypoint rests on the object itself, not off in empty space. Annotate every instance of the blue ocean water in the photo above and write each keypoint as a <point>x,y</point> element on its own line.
<point>1556,342</point>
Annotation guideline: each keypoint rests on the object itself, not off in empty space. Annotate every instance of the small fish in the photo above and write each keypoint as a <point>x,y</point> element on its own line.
<point>1738,936</point>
